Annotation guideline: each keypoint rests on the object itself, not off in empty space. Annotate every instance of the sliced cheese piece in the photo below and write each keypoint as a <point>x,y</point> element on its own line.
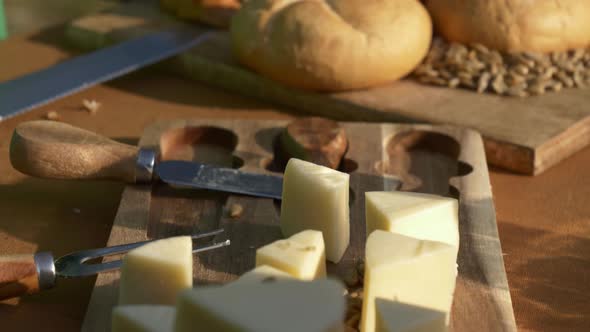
<point>316,197</point>
<point>408,270</point>
<point>393,316</point>
<point>283,305</point>
<point>302,255</point>
<point>261,274</point>
<point>423,216</point>
<point>156,272</point>
<point>143,318</point>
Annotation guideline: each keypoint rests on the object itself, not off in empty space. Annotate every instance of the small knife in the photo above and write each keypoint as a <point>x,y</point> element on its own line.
<point>55,150</point>
<point>28,274</point>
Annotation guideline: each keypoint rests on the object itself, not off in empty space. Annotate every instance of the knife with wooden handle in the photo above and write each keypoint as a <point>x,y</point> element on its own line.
<point>55,150</point>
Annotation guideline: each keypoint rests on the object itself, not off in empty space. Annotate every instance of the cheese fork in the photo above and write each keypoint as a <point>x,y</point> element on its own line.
<point>32,273</point>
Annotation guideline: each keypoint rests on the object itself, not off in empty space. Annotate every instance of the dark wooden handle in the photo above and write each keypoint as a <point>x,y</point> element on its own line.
<point>318,140</point>
<point>55,150</point>
<point>18,276</point>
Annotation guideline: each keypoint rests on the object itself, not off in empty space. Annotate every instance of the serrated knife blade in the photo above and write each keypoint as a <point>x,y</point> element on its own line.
<point>41,87</point>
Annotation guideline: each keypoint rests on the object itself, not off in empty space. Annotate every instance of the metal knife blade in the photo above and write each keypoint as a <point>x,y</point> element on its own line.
<point>24,93</point>
<point>203,176</point>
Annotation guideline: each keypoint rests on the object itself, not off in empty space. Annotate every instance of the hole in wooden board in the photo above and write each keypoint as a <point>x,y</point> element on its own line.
<point>211,145</point>
<point>175,211</point>
<point>424,161</point>
<point>270,138</point>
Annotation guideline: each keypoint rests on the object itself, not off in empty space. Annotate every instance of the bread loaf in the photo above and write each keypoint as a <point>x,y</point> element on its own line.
<point>514,25</point>
<point>331,45</point>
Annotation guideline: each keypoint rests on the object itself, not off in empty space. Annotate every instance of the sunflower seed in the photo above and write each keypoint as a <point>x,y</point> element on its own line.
<point>498,84</point>
<point>467,82</point>
<point>537,88</point>
<point>555,86</point>
<point>454,82</point>
<point>515,78</point>
<point>548,73</point>
<point>538,57</point>
<point>565,79</point>
<point>483,82</point>
<point>517,91</point>
<point>476,67</point>
<point>445,74</point>
<point>521,69</point>
<point>577,55</point>
<point>579,79</point>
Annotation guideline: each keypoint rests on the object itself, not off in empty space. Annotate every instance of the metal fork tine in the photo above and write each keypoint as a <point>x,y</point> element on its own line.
<point>119,249</point>
<point>72,264</point>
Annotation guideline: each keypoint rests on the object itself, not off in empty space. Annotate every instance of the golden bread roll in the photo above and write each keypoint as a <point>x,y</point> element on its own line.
<point>514,25</point>
<point>331,45</point>
<point>213,12</point>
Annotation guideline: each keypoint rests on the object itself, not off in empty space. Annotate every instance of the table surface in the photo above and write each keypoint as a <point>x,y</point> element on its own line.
<point>544,221</point>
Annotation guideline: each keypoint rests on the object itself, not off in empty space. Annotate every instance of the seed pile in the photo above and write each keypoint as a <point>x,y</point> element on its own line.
<point>478,68</point>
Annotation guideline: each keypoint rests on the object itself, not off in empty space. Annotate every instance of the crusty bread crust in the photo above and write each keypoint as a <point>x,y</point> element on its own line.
<point>514,25</point>
<point>331,45</point>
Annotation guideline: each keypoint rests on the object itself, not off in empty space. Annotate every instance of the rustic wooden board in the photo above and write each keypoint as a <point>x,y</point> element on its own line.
<point>423,158</point>
<point>524,135</point>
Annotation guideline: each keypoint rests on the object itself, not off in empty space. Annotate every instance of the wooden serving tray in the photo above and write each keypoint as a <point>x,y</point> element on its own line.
<point>525,135</point>
<point>423,158</point>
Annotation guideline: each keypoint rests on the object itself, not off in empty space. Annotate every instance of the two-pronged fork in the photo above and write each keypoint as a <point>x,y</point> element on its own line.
<point>27,274</point>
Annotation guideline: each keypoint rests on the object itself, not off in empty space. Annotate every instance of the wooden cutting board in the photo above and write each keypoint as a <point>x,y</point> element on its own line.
<point>422,158</point>
<point>523,135</point>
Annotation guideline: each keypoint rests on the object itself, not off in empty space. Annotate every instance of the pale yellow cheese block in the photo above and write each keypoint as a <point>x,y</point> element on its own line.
<point>423,216</point>
<point>261,274</point>
<point>393,316</point>
<point>301,256</point>
<point>316,197</point>
<point>156,272</point>
<point>283,305</point>
<point>143,318</point>
<point>408,270</point>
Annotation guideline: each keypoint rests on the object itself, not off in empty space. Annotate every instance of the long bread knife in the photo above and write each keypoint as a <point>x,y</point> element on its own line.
<point>55,150</point>
<point>41,87</point>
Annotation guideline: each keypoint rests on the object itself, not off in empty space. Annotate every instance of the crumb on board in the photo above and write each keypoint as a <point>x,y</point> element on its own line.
<point>76,210</point>
<point>236,210</point>
<point>91,105</point>
<point>52,115</point>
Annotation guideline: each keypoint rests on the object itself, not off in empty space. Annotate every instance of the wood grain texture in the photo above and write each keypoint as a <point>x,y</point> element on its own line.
<point>54,150</point>
<point>319,140</point>
<point>523,135</point>
<point>18,276</point>
<point>423,158</point>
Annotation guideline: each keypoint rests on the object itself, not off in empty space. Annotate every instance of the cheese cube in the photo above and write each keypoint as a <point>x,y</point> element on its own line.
<point>316,197</point>
<point>394,316</point>
<point>156,272</point>
<point>408,270</point>
<point>283,305</point>
<point>261,274</point>
<point>423,216</point>
<point>302,255</point>
<point>143,318</point>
